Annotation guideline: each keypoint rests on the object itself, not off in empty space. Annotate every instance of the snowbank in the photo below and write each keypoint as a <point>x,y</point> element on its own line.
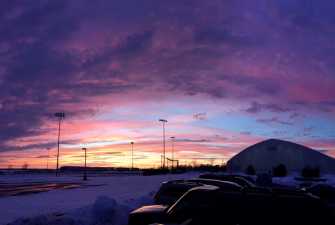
<point>100,201</point>
<point>105,210</point>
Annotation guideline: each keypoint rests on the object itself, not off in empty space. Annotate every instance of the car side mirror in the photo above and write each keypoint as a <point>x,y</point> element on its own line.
<point>187,222</point>
<point>244,191</point>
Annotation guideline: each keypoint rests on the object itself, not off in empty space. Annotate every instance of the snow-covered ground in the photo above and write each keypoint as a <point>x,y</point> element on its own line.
<point>291,180</point>
<point>102,200</point>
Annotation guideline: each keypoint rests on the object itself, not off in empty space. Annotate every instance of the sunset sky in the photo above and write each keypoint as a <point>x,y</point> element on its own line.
<point>224,73</point>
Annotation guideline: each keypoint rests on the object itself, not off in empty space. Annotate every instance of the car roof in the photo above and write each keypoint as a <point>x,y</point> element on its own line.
<point>206,188</point>
<point>217,182</point>
<point>227,176</point>
<point>203,181</point>
<point>195,189</point>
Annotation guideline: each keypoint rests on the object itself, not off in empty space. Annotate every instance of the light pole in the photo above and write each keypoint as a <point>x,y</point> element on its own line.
<point>164,121</point>
<point>85,170</point>
<point>172,149</point>
<point>60,116</point>
<point>48,158</point>
<point>132,155</point>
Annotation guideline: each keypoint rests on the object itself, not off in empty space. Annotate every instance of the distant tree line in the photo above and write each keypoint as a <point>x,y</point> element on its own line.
<point>281,171</point>
<point>186,168</point>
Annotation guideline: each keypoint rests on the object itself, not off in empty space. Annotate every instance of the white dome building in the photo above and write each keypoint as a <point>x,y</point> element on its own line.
<point>266,155</point>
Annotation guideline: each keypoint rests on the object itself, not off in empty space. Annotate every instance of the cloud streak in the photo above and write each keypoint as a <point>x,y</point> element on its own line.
<point>253,60</point>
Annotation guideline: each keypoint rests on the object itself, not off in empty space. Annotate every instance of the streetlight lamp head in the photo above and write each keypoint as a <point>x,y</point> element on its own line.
<point>172,137</point>
<point>132,142</point>
<point>162,120</point>
<point>60,114</point>
<point>84,148</point>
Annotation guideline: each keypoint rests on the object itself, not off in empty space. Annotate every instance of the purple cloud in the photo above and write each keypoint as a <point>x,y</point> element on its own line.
<point>60,54</point>
<point>258,107</point>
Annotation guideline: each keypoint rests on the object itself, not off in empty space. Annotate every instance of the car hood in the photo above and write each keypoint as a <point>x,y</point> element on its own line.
<point>150,209</point>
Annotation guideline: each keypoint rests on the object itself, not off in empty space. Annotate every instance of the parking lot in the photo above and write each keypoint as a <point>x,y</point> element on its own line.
<point>24,189</point>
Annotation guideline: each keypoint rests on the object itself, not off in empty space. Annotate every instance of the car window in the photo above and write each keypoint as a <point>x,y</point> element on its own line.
<point>208,205</point>
<point>190,203</point>
<point>243,182</point>
<point>176,189</point>
<point>227,185</point>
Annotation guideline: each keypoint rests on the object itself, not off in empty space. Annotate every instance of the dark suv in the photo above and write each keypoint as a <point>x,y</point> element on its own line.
<point>244,181</point>
<point>209,205</point>
<point>171,191</point>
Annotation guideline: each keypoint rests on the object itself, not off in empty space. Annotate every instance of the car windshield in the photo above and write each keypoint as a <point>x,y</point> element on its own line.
<point>244,182</point>
<point>175,189</point>
<point>193,197</point>
<point>185,202</point>
<point>226,185</point>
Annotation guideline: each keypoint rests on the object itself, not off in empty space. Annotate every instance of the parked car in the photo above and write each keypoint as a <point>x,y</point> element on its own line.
<point>249,183</point>
<point>244,181</point>
<point>171,191</point>
<point>210,205</point>
<point>324,191</point>
<point>164,214</point>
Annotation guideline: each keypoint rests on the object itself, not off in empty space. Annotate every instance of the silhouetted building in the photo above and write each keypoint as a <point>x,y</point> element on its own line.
<point>266,155</point>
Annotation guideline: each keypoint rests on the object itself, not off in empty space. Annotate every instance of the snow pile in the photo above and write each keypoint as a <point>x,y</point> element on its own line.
<point>143,200</point>
<point>286,181</point>
<point>84,205</point>
<point>105,210</point>
<point>47,219</point>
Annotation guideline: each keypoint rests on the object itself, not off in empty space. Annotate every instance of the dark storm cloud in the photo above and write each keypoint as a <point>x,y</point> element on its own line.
<point>295,115</point>
<point>192,140</point>
<point>133,45</point>
<point>267,86</point>
<point>216,36</point>
<point>326,106</point>
<point>42,157</point>
<point>200,116</point>
<point>256,107</point>
<point>34,67</point>
<point>323,106</point>
<point>20,121</point>
<point>35,64</point>
<point>275,120</point>
<point>308,13</point>
<point>61,52</point>
<point>136,43</point>
<point>36,20</point>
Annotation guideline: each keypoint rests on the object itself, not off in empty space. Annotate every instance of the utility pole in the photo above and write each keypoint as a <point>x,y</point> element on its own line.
<point>172,150</point>
<point>164,121</point>
<point>60,116</point>
<point>48,158</point>
<point>132,155</point>
<point>85,168</point>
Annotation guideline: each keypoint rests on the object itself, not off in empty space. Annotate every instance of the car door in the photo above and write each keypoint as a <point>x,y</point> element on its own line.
<point>256,207</point>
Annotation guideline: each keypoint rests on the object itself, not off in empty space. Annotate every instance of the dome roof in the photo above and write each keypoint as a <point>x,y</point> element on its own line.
<point>267,154</point>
